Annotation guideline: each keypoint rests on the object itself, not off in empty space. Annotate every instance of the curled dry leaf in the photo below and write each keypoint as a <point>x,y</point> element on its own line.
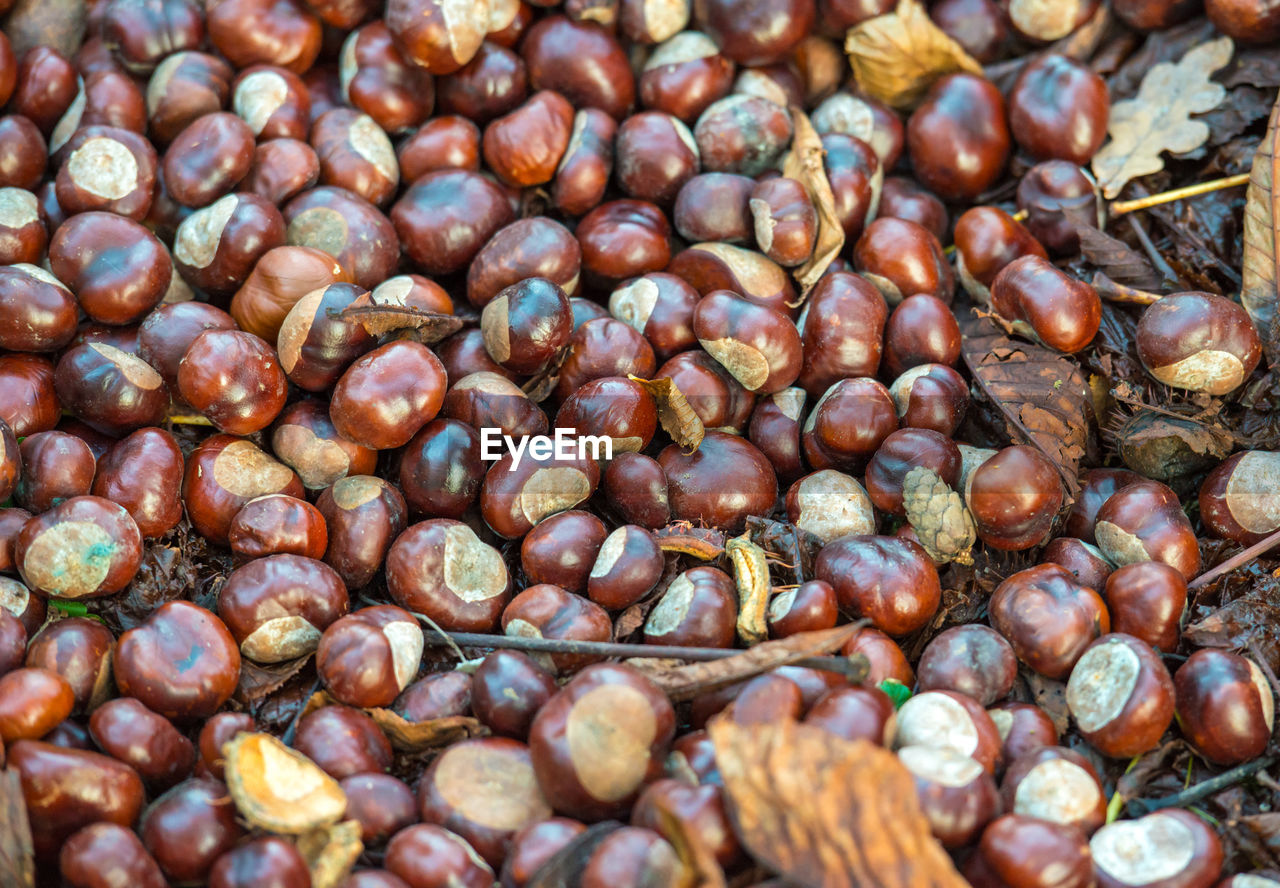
<point>408,736</point>
<point>681,537</point>
<point>1117,260</point>
<point>17,865</point>
<point>258,681</point>
<point>1261,272</point>
<point>1043,394</point>
<point>751,575</point>
<point>331,852</point>
<point>677,417</point>
<point>804,164</point>
<point>896,57</point>
<point>825,812</point>
<point>1158,119</point>
<point>941,519</point>
<point>279,789</point>
<point>428,327</point>
<point>686,682</point>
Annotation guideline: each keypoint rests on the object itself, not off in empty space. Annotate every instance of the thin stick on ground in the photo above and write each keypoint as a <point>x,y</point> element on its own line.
<point>1206,788</point>
<point>842,665</point>
<point>1238,560</point>
<point>1120,207</point>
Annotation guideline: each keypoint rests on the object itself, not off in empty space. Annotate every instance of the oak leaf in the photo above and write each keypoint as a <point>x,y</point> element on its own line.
<point>825,812</point>
<point>1158,119</point>
<point>897,56</point>
<point>1261,272</point>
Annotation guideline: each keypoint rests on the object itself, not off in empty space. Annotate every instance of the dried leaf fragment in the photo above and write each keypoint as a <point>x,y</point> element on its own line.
<point>1158,119</point>
<point>939,515</point>
<point>17,864</point>
<point>897,56</point>
<point>1043,394</point>
<point>751,575</point>
<point>826,812</point>
<point>677,417</point>
<point>1261,271</point>
<point>804,164</point>
<point>279,789</point>
<point>428,327</point>
<point>410,736</point>
<point>331,852</point>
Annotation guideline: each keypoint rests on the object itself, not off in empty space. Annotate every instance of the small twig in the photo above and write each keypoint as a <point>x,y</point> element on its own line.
<point>1240,559</point>
<point>1120,207</point>
<point>842,665</point>
<point>1111,291</point>
<point>1206,788</point>
<point>287,739</point>
<point>449,642</point>
<point>1161,264</point>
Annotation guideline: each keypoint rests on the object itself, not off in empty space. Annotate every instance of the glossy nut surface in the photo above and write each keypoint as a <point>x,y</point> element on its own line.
<point>1121,696</point>
<point>890,581</point>
<point>1048,618</point>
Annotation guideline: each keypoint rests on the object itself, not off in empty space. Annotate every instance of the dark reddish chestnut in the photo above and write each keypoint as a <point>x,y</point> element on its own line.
<point>1121,696</point>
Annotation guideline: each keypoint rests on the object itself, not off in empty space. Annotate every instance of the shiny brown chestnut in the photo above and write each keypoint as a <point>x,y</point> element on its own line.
<point>921,330</point>
<point>102,851</point>
<point>525,146</point>
<point>547,611</point>
<point>287,34</point>
<point>583,174</point>
<point>1147,600</point>
<point>533,247</point>
<point>1085,560</point>
<point>351,230</point>
<point>890,581</point>
<point>446,142</point>
<point>1236,499</point>
<point>303,438</point>
<point>425,855</point>
<point>765,34</point>
<point>1199,342</point>
<point>276,607</point>
<point>842,331</point>
<point>1244,20</point>
<point>85,546</point>
<point>685,74</point>
<point>742,134</point>
<point>343,742</point>
<point>623,239</point>
<point>1058,109</point>
<point>602,349</point>
<point>55,466</point>
<point>636,486</point>
<point>437,695</point>
<point>110,389</point>
<point>904,198</point>
<point>808,608</point>
<point>972,660</point>
<point>117,268</point>
<point>626,568</point>
<point>1014,497</point>
<point>488,400</point>
<point>216,248</point>
<point>508,688</point>
<point>629,724</point>
<point>698,609</point>
<point>830,504</point>
<point>848,424</point>
<point>38,313</point>
<point>32,702</point>
<point>958,797</point>
<point>108,169</point>
<point>1144,521</point>
<point>949,720</point>
<point>752,275</point>
<point>79,650</point>
<point>387,395</point>
<point>1055,784</point>
<point>902,258</point>
<point>1030,853</point>
<point>515,498</point>
<point>23,234</point>
<point>1170,847</point>
<point>715,207</point>
<point>1121,696</point>
<point>654,156</point>
<point>441,470</point>
<point>233,378</point>
<point>278,281</point>
<point>223,474</point>
<point>721,483</point>
<point>383,805</point>
<point>1048,618</point>
<point>153,662</point>
<point>368,657</point>
<point>1225,706</point>
<point>364,515</point>
<point>582,61</point>
<point>129,731</point>
<point>440,568</point>
<point>563,549</point>
<point>1047,305</point>
<point>494,82</point>
<point>660,307</point>
<point>1023,727</point>
<point>760,347</point>
<point>487,813</point>
<point>958,138</point>
<point>901,452</point>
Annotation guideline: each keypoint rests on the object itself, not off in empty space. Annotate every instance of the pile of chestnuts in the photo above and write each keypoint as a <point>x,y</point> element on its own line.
<point>319,286</point>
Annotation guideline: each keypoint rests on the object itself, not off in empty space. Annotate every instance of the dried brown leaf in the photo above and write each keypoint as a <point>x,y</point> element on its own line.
<point>1261,271</point>
<point>17,864</point>
<point>896,57</point>
<point>257,681</point>
<point>1158,119</point>
<point>804,164</point>
<point>410,736</point>
<point>1043,394</point>
<point>687,682</point>
<point>331,852</point>
<point>1117,260</point>
<point>826,812</point>
<point>703,543</point>
<point>677,417</point>
<point>1252,621</point>
<point>691,847</point>
<point>428,327</point>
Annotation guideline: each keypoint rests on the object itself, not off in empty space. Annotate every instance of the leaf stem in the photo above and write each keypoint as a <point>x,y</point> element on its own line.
<point>1120,207</point>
